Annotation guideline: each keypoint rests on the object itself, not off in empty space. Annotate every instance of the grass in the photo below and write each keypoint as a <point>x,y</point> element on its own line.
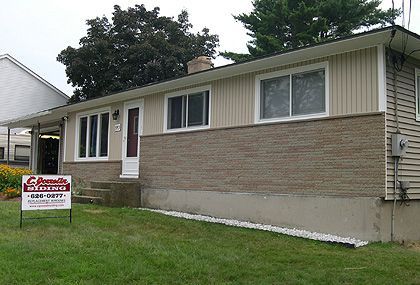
<point>128,246</point>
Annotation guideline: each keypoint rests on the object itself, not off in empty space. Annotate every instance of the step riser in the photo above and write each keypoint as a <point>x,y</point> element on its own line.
<point>96,193</point>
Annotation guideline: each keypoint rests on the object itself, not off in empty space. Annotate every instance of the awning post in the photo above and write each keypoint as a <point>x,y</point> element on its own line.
<point>8,145</point>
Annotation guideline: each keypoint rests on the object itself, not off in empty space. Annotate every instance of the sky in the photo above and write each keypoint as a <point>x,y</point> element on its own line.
<point>35,31</point>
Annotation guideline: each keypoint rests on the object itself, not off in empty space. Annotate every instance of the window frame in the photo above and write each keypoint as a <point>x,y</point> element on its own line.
<point>290,72</point>
<point>417,92</point>
<point>183,93</point>
<point>77,134</point>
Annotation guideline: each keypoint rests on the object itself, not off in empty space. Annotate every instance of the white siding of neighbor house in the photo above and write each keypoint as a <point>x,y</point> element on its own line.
<point>21,93</point>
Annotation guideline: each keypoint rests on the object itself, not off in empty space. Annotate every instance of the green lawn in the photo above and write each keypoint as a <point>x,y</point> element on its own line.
<point>128,246</point>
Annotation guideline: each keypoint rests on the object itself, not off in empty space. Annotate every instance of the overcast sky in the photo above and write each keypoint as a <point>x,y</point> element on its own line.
<point>34,32</point>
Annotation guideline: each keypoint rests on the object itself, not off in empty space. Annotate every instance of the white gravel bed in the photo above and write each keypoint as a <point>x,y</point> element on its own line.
<point>291,232</point>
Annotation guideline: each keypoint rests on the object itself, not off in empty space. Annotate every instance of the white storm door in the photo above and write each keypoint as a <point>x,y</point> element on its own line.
<point>132,130</point>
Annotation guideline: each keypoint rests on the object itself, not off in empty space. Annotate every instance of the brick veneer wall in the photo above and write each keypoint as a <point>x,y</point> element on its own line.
<point>84,172</point>
<point>342,156</point>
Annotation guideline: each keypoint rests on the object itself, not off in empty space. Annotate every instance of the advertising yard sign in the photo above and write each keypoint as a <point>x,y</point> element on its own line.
<point>46,192</point>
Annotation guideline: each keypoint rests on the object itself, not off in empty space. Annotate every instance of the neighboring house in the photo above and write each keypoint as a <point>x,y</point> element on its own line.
<point>22,92</point>
<point>300,139</point>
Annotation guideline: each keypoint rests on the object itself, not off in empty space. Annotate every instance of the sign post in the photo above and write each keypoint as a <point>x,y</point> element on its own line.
<point>45,192</point>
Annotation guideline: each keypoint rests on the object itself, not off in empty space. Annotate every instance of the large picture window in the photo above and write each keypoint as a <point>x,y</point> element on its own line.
<point>293,94</point>
<point>93,134</point>
<point>188,111</point>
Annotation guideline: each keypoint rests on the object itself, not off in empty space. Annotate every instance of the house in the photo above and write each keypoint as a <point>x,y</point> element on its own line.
<point>301,138</point>
<point>23,92</point>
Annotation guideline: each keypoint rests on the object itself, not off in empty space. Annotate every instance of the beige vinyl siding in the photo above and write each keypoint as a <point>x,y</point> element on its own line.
<point>353,85</point>
<point>409,168</point>
<point>353,88</point>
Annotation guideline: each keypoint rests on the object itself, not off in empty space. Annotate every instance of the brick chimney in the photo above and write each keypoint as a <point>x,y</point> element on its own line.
<point>199,64</point>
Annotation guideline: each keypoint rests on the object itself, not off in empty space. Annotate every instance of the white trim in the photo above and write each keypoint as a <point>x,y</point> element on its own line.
<point>76,142</point>
<point>381,78</point>
<point>15,61</point>
<point>126,176</point>
<point>65,140</point>
<point>182,93</point>
<point>258,78</point>
<point>416,84</point>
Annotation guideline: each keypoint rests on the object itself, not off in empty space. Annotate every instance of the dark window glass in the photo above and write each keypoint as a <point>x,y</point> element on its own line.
<point>1,152</point>
<point>198,108</point>
<point>82,137</point>
<point>308,93</point>
<point>93,135</point>
<point>275,97</point>
<point>176,112</point>
<point>104,134</point>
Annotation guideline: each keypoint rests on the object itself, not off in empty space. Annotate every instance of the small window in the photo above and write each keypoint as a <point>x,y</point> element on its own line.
<point>188,111</point>
<point>22,152</point>
<point>1,152</point>
<point>293,94</point>
<point>93,135</point>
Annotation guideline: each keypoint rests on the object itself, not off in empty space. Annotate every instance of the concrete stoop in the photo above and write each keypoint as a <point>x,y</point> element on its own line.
<point>110,193</point>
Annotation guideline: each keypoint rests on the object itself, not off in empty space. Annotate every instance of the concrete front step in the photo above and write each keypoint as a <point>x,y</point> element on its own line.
<point>80,199</point>
<point>115,193</point>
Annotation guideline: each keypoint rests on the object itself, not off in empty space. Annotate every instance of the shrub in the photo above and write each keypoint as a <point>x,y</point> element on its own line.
<point>12,192</point>
<point>11,177</point>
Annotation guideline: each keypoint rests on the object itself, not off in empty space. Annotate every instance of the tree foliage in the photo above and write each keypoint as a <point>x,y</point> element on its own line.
<point>135,48</point>
<point>277,25</point>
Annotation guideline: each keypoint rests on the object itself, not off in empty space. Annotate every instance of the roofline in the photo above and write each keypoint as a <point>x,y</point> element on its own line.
<point>256,59</point>
<point>333,46</point>
<point>28,70</point>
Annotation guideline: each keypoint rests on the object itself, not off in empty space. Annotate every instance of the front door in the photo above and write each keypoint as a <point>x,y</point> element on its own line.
<point>133,126</point>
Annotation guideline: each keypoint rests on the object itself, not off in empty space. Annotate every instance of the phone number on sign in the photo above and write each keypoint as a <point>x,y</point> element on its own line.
<point>49,195</point>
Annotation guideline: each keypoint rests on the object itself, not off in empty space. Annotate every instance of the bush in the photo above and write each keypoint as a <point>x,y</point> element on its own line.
<point>11,178</point>
<point>11,192</point>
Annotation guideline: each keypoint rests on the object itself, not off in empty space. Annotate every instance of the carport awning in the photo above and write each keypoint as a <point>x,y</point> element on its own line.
<point>43,117</point>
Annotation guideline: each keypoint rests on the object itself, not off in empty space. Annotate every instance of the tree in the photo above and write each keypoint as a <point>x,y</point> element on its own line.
<point>277,25</point>
<point>135,48</point>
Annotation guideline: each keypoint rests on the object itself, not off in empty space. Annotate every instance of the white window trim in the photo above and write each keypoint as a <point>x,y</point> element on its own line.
<point>416,75</point>
<point>290,71</point>
<point>90,113</point>
<point>182,93</point>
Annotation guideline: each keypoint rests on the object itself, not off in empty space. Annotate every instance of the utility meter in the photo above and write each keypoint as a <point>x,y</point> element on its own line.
<point>399,145</point>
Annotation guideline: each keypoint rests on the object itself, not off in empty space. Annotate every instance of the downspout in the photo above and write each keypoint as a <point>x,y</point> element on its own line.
<point>38,135</point>
<point>396,159</point>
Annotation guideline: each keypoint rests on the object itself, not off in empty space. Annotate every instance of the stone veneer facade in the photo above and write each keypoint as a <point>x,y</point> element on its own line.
<point>338,156</point>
